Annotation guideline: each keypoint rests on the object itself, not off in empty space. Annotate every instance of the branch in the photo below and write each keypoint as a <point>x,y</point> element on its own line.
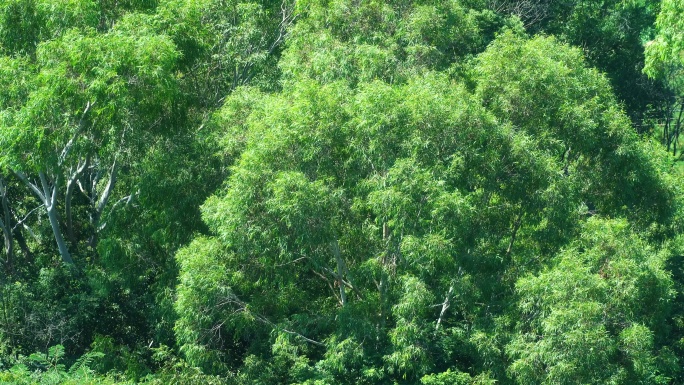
<point>53,197</point>
<point>21,222</point>
<point>126,200</point>
<point>30,184</point>
<point>30,231</point>
<point>335,247</point>
<point>275,326</point>
<point>108,189</point>
<point>327,281</point>
<point>346,283</point>
<point>516,227</point>
<point>288,18</point>
<point>445,306</point>
<point>67,198</point>
<point>46,190</point>
<point>3,198</point>
<point>70,143</point>
<point>291,262</point>
<point>80,187</point>
<point>232,298</point>
<point>9,241</point>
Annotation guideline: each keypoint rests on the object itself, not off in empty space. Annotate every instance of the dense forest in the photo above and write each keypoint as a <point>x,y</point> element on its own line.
<point>341,192</point>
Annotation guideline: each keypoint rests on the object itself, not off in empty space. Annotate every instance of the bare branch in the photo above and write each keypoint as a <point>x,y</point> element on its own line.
<point>335,247</point>
<point>30,184</point>
<point>445,306</point>
<point>21,222</point>
<point>81,188</point>
<point>242,307</point>
<point>30,231</point>
<point>291,262</point>
<point>104,198</point>
<point>81,127</point>
<point>125,200</point>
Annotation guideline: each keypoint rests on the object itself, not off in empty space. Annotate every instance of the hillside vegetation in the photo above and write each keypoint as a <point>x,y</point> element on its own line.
<point>341,192</point>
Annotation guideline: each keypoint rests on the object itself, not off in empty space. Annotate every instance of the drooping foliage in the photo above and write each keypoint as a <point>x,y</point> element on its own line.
<point>386,230</point>
<point>100,113</point>
<point>338,192</point>
<point>664,53</point>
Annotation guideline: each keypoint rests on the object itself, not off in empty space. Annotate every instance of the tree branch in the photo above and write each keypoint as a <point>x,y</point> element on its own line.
<point>516,226</point>
<point>335,247</point>
<point>30,185</point>
<point>70,143</point>
<point>51,207</point>
<point>104,198</point>
<point>445,306</point>
<point>21,222</point>
<point>232,298</point>
<point>5,226</point>
<point>126,200</point>
<point>67,199</point>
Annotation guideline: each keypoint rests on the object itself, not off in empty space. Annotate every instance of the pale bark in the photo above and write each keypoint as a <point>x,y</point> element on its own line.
<point>6,226</point>
<point>445,306</point>
<point>81,127</point>
<point>51,207</point>
<point>48,197</point>
<point>71,183</point>
<point>340,271</point>
<point>101,204</point>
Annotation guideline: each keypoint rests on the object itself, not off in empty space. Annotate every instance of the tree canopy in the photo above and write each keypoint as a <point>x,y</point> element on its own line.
<point>341,192</point>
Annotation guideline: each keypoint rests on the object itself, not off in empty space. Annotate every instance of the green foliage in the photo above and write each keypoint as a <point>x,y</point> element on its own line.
<point>334,191</point>
<point>175,371</point>
<point>44,369</point>
<point>590,317</point>
<point>611,34</point>
<point>664,53</point>
<point>371,202</point>
<point>389,41</point>
<point>548,92</point>
<point>19,29</point>
<point>226,44</point>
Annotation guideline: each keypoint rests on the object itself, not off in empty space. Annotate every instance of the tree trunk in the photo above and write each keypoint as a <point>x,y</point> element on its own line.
<point>48,196</point>
<point>50,199</point>
<point>54,223</point>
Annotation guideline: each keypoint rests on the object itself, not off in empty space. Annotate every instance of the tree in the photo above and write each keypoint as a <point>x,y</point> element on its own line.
<point>374,230</point>
<point>92,101</point>
<point>550,94</point>
<point>664,61</point>
<point>594,315</point>
<point>226,44</point>
<point>379,40</point>
<point>611,35</point>
<point>664,53</point>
